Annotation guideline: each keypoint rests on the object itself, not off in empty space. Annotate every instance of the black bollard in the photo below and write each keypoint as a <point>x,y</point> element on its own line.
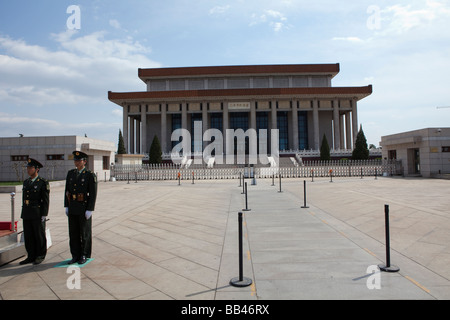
<point>246,202</point>
<point>240,174</point>
<point>279,176</point>
<point>304,195</point>
<point>240,281</point>
<point>273,179</point>
<point>387,267</point>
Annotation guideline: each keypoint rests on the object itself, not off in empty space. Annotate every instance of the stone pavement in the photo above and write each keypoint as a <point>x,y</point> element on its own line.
<point>160,241</point>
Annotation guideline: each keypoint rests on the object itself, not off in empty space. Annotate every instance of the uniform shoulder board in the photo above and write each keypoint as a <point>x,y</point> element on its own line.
<point>93,175</point>
<point>47,184</point>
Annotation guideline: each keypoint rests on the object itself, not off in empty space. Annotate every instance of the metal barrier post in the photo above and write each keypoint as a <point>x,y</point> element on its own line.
<point>387,267</point>
<point>13,227</point>
<point>246,202</point>
<point>240,281</point>
<point>279,176</point>
<point>304,195</point>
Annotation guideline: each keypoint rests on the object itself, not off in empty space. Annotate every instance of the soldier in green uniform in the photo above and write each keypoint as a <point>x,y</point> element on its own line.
<point>79,202</point>
<point>35,203</point>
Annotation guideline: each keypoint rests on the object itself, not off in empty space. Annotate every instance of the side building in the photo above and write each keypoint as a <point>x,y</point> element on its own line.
<point>55,153</point>
<point>423,152</point>
<point>298,100</point>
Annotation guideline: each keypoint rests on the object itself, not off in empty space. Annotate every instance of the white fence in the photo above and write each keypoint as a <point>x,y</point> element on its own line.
<point>308,169</point>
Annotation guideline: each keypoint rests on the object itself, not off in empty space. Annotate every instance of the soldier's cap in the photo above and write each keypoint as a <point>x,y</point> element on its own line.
<point>34,163</point>
<point>78,155</point>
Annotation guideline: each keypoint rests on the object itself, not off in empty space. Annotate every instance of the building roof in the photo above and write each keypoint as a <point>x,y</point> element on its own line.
<point>291,69</point>
<point>123,98</point>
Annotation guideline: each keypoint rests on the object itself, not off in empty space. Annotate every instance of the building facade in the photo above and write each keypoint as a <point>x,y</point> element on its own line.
<point>298,100</point>
<point>424,152</point>
<point>55,154</point>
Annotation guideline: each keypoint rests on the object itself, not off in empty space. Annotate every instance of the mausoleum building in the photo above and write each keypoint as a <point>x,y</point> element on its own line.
<point>298,100</point>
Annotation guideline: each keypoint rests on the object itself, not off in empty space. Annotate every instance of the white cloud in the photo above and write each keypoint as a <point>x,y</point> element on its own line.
<point>276,15</point>
<point>219,9</point>
<point>349,39</point>
<point>275,19</point>
<point>33,125</point>
<point>114,23</point>
<point>83,69</point>
<point>399,19</point>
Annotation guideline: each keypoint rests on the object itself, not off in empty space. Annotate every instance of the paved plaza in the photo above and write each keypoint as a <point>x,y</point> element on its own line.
<point>157,240</point>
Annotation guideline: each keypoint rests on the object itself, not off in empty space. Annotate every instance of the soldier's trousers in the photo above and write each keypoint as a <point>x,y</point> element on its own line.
<point>80,236</point>
<point>35,240</point>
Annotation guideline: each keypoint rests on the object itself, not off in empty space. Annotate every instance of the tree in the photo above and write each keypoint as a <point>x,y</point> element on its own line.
<point>325,149</point>
<point>360,152</point>
<point>155,154</point>
<point>121,148</point>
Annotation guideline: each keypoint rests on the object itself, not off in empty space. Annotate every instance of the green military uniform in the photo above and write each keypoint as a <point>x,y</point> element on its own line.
<point>35,204</point>
<point>80,197</point>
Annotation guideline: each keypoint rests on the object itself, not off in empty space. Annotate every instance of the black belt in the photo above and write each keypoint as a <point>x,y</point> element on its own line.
<point>80,197</point>
<point>30,203</point>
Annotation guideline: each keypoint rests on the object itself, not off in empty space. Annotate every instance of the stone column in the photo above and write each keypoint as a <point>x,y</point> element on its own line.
<point>354,120</point>
<point>337,127</point>
<point>342,133</point>
<point>164,128</point>
<point>132,133</point>
<point>204,121</point>
<point>144,147</point>
<point>125,129</point>
<point>184,115</point>
<point>273,111</point>
<point>294,139</point>
<point>225,126</point>
<point>138,137</point>
<point>348,132</point>
<point>253,114</point>
<point>316,124</point>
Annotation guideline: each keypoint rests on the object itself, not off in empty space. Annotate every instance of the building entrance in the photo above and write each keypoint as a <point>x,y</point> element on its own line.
<point>239,120</point>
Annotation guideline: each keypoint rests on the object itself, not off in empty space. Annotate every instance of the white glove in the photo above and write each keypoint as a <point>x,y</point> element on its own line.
<point>43,218</point>
<point>88,214</point>
<point>67,211</point>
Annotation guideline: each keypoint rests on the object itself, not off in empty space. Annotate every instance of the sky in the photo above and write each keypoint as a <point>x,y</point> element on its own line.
<point>59,59</point>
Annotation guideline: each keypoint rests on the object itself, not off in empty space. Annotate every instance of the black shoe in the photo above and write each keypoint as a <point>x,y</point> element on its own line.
<point>27,260</point>
<point>38,260</point>
<point>72,261</point>
<point>82,260</point>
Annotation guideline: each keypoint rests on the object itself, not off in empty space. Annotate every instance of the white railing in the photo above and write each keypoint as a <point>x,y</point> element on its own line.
<point>307,169</point>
